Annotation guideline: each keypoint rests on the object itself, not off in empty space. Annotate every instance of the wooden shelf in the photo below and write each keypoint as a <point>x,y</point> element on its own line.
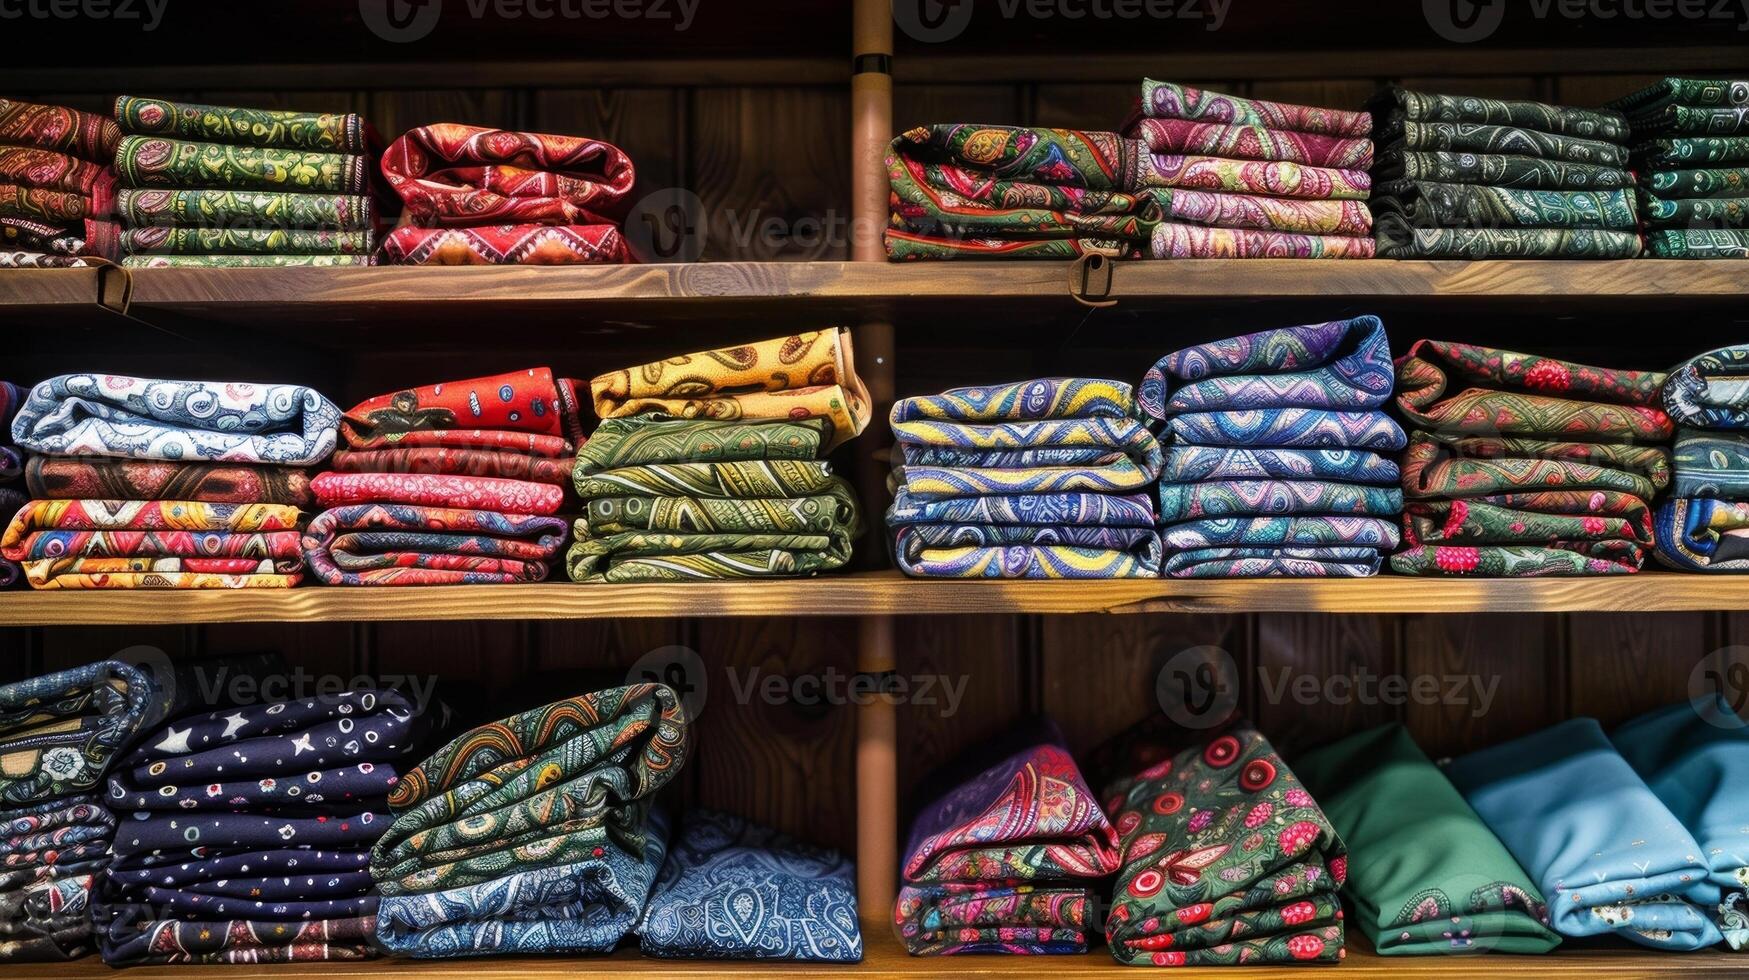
<point>878,594</point>
<point>884,957</point>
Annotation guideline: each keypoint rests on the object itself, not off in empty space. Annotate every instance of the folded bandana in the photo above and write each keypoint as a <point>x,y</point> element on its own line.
<point>507,245</point>
<point>806,375</point>
<point>1609,856</point>
<point>1396,105</point>
<point>1425,875</point>
<point>59,732</point>
<point>455,175</point>
<point>1005,861</point>
<point>329,133</point>
<point>53,852</point>
<point>141,418</point>
<point>734,890</point>
<point>404,544</point>
<point>1341,365</point>
<point>95,477</point>
<point>244,209</point>
<point>1166,100</point>
<point>1711,390</point>
<point>1695,757</point>
<point>1226,859</point>
<point>152,161</point>
<point>165,544</point>
<point>532,834</point>
<point>86,135</point>
<point>491,413</point>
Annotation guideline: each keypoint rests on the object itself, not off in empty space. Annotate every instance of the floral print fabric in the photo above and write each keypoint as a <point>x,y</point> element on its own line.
<point>1226,858</point>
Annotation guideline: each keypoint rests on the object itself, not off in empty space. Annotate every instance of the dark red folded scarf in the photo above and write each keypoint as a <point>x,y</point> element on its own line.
<point>458,461</point>
<point>464,176</point>
<point>507,245</point>
<point>52,127</point>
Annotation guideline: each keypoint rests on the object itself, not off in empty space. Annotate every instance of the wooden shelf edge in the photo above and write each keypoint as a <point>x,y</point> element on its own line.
<point>877,594</point>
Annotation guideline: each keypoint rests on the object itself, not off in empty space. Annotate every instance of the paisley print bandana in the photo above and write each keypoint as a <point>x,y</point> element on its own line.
<point>1416,204</point>
<point>81,134</point>
<point>59,732</point>
<point>1003,861</point>
<point>329,133</point>
<point>141,418</point>
<point>974,461</point>
<point>159,240</point>
<point>1253,141</point>
<point>53,852</point>
<point>221,208</point>
<point>1698,243</point>
<point>903,246</point>
<point>732,889</point>
<point>1226,858</point>
<point>1710,391</point>
<point>174,164</point>
<point>173,544</point>
<point>454,175</point>
<point>1397,241</point>
<point>1457,388</point>
<point>1425,875</point>
<point>405,544</point>
<point>1496,170</point>
<point>94,477</point>
<point>1695,757</point>
<point>531,401</point>
<point>806,375</point>
<point>1166,100</point>
<point>437,490</point>
<point>1640,873</point>
<point>1274,562</point>
<point>1344,364</point>
<point>1396,105</point>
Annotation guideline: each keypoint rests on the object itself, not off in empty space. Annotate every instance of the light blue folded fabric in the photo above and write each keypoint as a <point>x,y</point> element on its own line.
<point>1608,855</point>
<point>1695,757</point>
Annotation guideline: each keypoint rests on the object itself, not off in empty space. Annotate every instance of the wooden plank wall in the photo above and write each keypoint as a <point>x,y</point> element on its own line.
<point>756,152</point>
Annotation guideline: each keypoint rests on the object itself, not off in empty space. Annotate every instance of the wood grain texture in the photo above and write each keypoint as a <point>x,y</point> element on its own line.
<point>1620,665</point>
<point>985,658</point>
<point>1497,676</point>
<point>770,186</point>
<point>885,958</point>
<point>1319,677</point>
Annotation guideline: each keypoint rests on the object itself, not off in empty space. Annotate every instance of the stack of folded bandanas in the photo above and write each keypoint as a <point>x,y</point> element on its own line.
<point>478,196</point>
<point>1703,525</point>
<point>1006,859</point>
<point>1037,479</point>
<point>450,484</point>
<point>58,734</point>
<point>534,834</point>
<point>219,186</point>
<point>734,890</point>
<point>245,832</point>
<point>1521,465</point>
<point>1691,151</point>
<point>1248,178</point>
<point>1425,875</point>
<point>1470,178</point>
<point>165,484</point>
<point>57,191</point>
<point>712,465</point>
<point>11,473</point>
<point>1226,859</point>
<point>1195,175</point>
<point>1274,464</point>
<point>1641,846</point>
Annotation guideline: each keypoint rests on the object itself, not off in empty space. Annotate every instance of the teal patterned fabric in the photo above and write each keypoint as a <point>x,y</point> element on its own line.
<point>1691,148</point>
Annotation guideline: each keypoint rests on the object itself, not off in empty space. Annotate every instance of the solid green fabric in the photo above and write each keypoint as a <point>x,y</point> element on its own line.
<point>1425,875</point>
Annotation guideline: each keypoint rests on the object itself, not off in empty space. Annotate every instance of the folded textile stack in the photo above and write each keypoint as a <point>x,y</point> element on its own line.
<point>247,831</point>
<point>1036,479</point>
<point>57,191</point>
<point>1197,175</point>
<point>11,469</point>
<point>1464,177</point>
<point>1691,151</point>
<point>1703,525</point>
<point>477,196</point>
<point>1425,875</point>
<point>1609,855</point>
<point>1273,466</point>
<point>1227,859</point>
<point>711,465</point>
<point>165,484</point>
<point>734,890</point>
<point>1694,756</point>
<point>1007,860</point>
<point>219,186</point>
<point>59,734</point>
<point>1521,465</point>
<point>534,834</point>
<point>1249,178</point>
<point>450,484</point>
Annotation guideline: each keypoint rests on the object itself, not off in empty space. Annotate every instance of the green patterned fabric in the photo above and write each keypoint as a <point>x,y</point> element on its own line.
<point>671,499</point>
<point>1396,241</point>
<point>1698,243</point>
<point>329,133</point>
<point>1682,91</point>
<point>243,241</point>
<point>151,161</point>
<point>1430,204</point>
<point>1497,170</point>
<point>221,208</point>
<point>1707,182</point>
<point>1395,105</point>
<point>1498,140</point>
<point>1691,151</point>
<point>240,261</point>
<point>1227,859</point>
<point>1425,875</point>
<point>1716,212</point>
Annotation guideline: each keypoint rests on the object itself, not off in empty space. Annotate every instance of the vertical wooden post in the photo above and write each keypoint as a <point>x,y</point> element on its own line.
<point>877,723</point>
